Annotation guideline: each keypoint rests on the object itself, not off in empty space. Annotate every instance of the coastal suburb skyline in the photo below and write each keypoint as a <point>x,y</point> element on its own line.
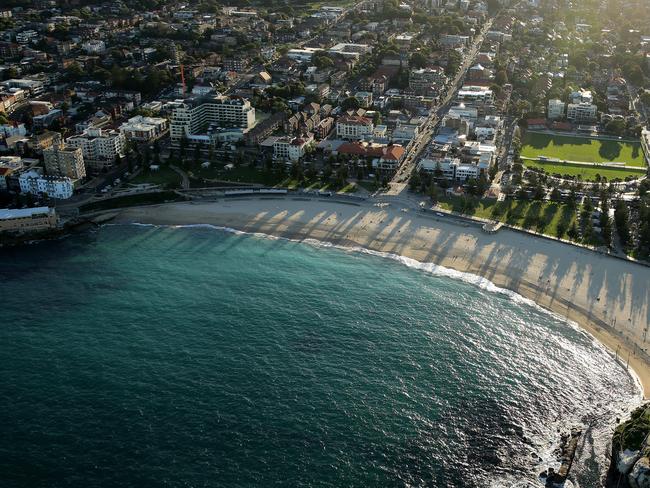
<point>361,243</point>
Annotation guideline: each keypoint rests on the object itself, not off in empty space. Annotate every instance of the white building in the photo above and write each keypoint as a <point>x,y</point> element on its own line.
<point>9,130</point>
<point>288,149</point>
<point>100,147</point>
<point>53,186</point>
<point>302,55</point>
<point>34,87</point>
<point>555,109</point>
<point>404,132</point>
<point>451,168</point>
<point>581,112</point>
<point>463,112</point>
<point>27,36</point>
<point>581,96</point>
<point>350,51</point>
<point>192,117</point>
<point>144,129</point>
<point>475,95</point>
<point>353,127</point>
<point>94,46</point>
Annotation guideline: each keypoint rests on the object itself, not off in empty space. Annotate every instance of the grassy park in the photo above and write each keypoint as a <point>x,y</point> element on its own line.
<point>585,172</point>
<point>586,150</point>
<point>549,218</point>
<point>582,149</point>
<point>164,176</point>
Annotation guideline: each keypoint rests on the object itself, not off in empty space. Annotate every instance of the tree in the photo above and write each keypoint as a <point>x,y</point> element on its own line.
<point>418,60</point>
<point>327,173</point>
<point>622,220</point>
<point>616,127</point>
<point>556,196</point>
<point>415,181</point>
<point>645,98</point>
<point>501,77</point>
<point>432,191</point>
<point>350,103</point>
<point>605,221</point>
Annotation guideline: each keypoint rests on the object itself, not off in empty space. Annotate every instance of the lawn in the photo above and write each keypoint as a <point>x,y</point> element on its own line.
<point>582,149</point>
<point>243,174</point>
<point>544,217</point>
<point>585,172</point>
<point>165,177</point>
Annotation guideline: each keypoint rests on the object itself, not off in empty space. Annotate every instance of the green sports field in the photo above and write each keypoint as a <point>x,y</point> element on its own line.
<point>587,173</point>
<point>567,148</point>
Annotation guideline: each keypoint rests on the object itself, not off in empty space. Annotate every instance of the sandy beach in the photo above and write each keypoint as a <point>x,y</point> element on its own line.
<point>608,297</point>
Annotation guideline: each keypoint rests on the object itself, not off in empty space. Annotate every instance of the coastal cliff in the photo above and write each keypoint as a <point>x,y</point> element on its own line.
<point>630,460</point>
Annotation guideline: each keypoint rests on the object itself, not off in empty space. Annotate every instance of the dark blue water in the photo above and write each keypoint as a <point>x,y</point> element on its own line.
<point>139,356</point>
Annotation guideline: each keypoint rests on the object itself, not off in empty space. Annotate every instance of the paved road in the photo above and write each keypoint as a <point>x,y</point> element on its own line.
<point>399,181</point>
<point>186,180</point>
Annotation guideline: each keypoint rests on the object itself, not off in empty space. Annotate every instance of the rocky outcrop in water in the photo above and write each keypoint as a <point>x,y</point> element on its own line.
<point>566,452</point>
<point>630,462</point>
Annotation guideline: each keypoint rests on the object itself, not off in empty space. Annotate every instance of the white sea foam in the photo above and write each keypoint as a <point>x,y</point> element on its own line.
<point>547,456</point>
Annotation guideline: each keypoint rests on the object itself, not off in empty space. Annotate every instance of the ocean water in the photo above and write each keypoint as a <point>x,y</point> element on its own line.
<point>193,357</point>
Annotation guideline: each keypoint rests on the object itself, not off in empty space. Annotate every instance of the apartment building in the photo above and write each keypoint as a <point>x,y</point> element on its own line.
<point>450,168</point>
<point>26,36</point>
<point>353,127</point>
<point>64,160</point>
<point>291,149</point>
<point>99,147</point>
<point>476,95</point>
<point>581,112</point>
<point>555,109</point>
<point>427,81</point>
<point>34,183</point>
<point>144,129</point>
<point>192,118</point>
<point>34,87</point>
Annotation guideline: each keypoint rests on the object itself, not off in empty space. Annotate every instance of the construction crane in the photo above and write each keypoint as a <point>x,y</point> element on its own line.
<point>183,79</point>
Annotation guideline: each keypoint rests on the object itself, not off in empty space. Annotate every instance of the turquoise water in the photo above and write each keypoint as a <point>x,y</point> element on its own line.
<point>142,356</point>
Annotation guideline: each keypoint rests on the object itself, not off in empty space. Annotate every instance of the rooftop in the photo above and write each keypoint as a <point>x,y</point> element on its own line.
<point>6,213</point>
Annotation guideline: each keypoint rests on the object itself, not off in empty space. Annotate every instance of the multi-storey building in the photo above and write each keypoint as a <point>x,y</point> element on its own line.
<point>26,36</point>
<point>353,127</point>
<point>191,119</point>
<point>291,149</point>
<point>581,112</point>
<point>477,95</point>
<point>34,87</point>
<point>100,147</point>
<point>65,161</point>
<point>53,186</point>
<point>427,81</point>
<point>555,109</point>
<point>143,129</point>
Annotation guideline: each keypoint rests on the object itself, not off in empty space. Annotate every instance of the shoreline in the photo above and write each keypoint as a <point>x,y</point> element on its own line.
<point>604,296</point>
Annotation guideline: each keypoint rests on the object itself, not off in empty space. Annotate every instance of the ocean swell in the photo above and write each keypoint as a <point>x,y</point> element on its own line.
<point>597,426</point>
